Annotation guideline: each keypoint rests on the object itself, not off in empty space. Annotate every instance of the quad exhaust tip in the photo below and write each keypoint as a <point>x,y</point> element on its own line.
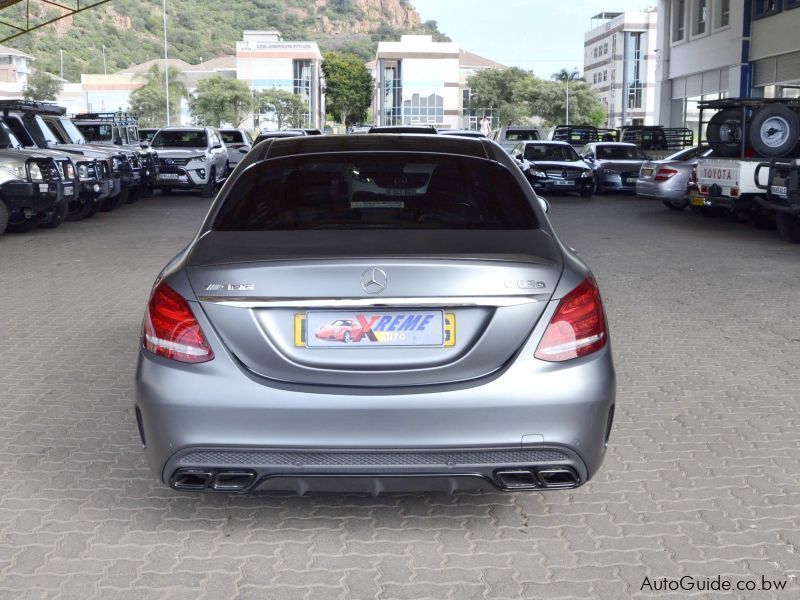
<point>551,478</point>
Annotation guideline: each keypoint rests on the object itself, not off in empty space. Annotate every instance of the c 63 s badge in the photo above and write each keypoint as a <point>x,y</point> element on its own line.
<point>230,287</point>
<point>525,284</point>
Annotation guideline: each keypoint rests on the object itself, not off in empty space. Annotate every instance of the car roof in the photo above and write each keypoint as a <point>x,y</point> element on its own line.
<point>183,128</point>
<point>546,142</point>
<point>371,142</point>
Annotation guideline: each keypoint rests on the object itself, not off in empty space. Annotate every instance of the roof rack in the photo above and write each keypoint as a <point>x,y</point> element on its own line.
<point>108,116</point>
<point>36,106</point>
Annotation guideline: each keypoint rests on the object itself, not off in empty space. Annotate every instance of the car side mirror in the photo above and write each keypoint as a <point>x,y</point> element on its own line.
<point>544,204</point>
<point>144,145</point>
<point>244,150</point>
<point>589,158</point>
<point>216,146</point>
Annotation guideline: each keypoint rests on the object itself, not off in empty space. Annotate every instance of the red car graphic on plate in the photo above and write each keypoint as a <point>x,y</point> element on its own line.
<point>341,330</point>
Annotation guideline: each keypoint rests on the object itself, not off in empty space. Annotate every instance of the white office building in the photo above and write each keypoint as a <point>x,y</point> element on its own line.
<point>711,49</point>
<point>620,64</point>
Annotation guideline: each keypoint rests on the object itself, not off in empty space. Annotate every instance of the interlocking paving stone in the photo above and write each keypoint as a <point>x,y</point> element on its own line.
<point>701,476</point>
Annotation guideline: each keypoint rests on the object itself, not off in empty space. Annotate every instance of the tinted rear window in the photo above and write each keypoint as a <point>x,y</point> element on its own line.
<point>232,137</point>
<point>522,135</point>
<point>369,191</point>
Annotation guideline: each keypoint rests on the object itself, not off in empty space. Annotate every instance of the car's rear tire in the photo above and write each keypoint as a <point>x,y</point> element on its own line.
<point>724,132</point>
<point>57,218</point>
<point>774,130</point>
<point>788,227</point>
<point>209,188</point>
<point>17,223</point>
<point>761,218</point>
<point>3,217</point>
<point>676,204</point>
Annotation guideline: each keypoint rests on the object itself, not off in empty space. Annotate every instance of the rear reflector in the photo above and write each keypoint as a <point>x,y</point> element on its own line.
<point>664,174</point>
<point>578,326</point>
<point>171,330</point>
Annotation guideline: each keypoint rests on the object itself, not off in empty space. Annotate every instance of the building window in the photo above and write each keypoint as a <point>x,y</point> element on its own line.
<point>595,52</point>
<point>724,13</point>
<point>679,21</point>
<point>605,75</point>
<point>605,48</point>
<point>700,17</point>
<point>765,8</point>
<point>634,65</point>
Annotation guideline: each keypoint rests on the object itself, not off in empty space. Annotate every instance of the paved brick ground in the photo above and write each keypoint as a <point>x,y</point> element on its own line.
<point>702,477</point>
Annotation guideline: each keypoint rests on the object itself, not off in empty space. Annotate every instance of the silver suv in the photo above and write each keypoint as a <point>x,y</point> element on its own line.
<point>190,158</point>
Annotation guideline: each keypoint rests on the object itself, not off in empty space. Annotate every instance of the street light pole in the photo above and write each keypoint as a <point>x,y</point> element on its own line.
<point>166,63</point>
<point>62,63</point>
<point>105,71</point>
<point>567,102</point>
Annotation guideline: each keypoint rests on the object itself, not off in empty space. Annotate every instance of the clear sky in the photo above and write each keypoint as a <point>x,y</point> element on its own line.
<point>538,35</point>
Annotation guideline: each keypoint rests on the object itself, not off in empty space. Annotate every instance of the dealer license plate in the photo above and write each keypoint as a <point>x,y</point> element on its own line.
<point>697,201</point>
<point>375,329</point>
<point>779,190</point>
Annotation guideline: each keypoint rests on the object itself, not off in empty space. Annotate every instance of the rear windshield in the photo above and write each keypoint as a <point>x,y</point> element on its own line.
<point>232,137</point>
<point>545,152</point>
<point>375,191</point>
<point>522,135</point>
<point>620,153</point>
<point>180,139</point>
<point>100,132</point>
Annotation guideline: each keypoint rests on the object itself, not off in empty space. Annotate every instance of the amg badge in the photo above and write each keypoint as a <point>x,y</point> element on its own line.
<point>231,287</point>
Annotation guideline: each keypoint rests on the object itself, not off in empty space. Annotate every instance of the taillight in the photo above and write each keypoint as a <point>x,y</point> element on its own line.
<point>171,330</point>
<point>664,174</point>
<point>578,326</point>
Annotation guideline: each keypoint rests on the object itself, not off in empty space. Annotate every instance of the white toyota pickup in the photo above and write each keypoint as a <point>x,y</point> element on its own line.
<point>728,182</point>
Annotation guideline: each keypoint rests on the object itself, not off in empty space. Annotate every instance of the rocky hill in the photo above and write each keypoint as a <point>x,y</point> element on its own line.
<point>131,30</point>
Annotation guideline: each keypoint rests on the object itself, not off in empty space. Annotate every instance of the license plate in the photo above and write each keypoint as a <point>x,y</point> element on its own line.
<point>630,180</point>
<point>69,190</point>
<point>559,182</point>
<point>375,329</point>
<point>697,201</point>
<point>173,176</point>
<point>779,190</point>
<point>647,172</point>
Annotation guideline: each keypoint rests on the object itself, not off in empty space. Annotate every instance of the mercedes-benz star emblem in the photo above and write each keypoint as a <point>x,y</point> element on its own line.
<point>373,281</point>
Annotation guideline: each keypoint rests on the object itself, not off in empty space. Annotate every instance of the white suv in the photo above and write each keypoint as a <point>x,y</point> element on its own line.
<point>191,158</point>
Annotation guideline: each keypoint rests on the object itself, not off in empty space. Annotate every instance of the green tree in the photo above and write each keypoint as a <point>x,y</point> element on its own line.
<point>497,91</point>
<point>565,75</point>
<point>285,107</point>
<point>221,100</point>
<point>150,100</point>
<point>548,99</point>
<point>42,86</point>
<point>348,87</point>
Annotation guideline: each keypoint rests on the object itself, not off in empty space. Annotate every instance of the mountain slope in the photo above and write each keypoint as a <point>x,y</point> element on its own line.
<point>131,30</point>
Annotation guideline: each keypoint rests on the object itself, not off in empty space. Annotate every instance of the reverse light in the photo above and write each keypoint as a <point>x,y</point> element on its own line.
<point>578,326</point>
<point>665,173</point>
<point>171,330</point>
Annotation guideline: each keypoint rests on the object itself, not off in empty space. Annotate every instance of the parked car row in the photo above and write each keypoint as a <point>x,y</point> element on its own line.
<point>54,168</point>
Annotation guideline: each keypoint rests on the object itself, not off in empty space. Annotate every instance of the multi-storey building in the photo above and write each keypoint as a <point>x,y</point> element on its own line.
<point>619,63</point>
<point>712,49</point>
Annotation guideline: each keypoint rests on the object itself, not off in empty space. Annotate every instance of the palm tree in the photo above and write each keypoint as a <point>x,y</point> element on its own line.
<point>565,76</point>
<point>153,80</point>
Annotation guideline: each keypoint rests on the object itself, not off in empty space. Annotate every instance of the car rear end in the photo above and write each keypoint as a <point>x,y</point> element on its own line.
<point>237,143</point>
<point>663,180</point>
<point>478,354</point>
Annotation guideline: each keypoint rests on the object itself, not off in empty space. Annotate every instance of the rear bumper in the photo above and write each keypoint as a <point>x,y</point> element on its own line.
<point>661,191</point>
<point>214,416</point>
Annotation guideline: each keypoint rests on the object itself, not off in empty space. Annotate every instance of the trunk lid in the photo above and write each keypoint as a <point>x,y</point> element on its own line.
<point>347,308</point>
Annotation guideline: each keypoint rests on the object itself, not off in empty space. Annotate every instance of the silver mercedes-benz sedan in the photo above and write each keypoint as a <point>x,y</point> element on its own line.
<point>375,313</point>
